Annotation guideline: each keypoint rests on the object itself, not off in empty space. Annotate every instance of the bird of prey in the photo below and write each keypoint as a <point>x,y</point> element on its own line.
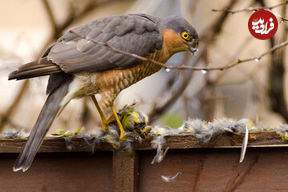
<point>79,67</point>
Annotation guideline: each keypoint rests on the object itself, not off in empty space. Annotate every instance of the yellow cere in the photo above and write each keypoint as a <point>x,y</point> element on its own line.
<point>185,35</point>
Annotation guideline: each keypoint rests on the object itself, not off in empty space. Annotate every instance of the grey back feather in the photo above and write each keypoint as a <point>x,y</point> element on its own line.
<point>138,34</point>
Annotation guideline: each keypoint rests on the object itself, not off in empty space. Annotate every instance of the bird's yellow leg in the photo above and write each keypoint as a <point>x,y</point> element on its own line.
<point>111,118</point>
<point>105,122</point>
<point>119,123</point>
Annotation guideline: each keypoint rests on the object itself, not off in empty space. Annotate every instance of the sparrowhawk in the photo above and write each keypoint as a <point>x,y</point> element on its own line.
<point>79,67</point>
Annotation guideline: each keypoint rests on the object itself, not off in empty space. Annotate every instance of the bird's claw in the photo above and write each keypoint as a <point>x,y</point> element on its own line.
<point>104,127</point>
<point>106,122</point>
<point>122,136</point>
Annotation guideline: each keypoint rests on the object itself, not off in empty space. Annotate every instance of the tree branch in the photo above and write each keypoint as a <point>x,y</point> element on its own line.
<point>183,67</point>
<point>276,83</point>
<point>250,9</point>
<point>5,117</point>
<point>72,17</point>
<point>51,17</point>
<point>56,32</point>
<point>210,37</point>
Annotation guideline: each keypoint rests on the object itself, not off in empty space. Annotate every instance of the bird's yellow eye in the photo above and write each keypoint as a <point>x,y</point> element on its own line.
<point>185,36</point>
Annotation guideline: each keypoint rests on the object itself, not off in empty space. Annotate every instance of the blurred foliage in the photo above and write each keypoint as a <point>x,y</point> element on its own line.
<point>172,120</point>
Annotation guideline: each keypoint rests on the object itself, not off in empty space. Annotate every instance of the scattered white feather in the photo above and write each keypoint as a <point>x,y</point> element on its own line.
<point>244,145</point>
<point>170,178</point>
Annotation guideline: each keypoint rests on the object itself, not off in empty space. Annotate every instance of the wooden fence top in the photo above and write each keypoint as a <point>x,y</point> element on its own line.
<point>116,171</point>
<point>226,140</point>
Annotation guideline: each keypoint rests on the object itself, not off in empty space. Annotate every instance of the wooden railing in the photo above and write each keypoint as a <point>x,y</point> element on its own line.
<point>215,165</point>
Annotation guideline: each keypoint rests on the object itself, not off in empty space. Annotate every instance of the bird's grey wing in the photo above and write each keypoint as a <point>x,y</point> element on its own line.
<point>137,34</point>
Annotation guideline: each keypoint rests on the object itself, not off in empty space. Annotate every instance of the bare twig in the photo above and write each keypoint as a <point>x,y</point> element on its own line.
<point>257,59</point>
<point>56,32</point>
<point>50,16</point>
<point>210,37</point>
<point>5,117</point>
<point>158,110</point>
<point>184,67</point>
<point>239,50</point>
<point>276,83</point>
<point>13,124</point>
<point>57,29</point>
<point>250,9</point>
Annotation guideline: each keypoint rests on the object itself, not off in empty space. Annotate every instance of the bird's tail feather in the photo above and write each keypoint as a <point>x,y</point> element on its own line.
<point>34,69</point>
<point>43,123</point>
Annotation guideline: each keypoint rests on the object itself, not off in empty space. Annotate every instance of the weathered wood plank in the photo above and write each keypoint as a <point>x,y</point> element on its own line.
<point>241,171</point>
<point>217,170</point>
<point>125,172</point>
<point>227,140</point>
<point>51,172</point>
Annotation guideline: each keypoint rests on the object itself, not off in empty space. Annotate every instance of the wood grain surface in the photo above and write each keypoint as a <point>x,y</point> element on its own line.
<point>202,167</point>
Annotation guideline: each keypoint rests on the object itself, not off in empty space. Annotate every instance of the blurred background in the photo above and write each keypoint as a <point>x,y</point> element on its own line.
<point>254,90</point>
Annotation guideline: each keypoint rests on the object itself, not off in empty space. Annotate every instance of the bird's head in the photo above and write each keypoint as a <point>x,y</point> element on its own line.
<point>179,35</point>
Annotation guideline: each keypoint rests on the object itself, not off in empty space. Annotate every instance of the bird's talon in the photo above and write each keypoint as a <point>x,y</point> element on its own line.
<point>105,124</point>
<point>104,127</point>
<point>122,136</point>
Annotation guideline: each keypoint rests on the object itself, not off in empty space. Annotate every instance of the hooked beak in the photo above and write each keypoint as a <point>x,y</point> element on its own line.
<point>193,45</point>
